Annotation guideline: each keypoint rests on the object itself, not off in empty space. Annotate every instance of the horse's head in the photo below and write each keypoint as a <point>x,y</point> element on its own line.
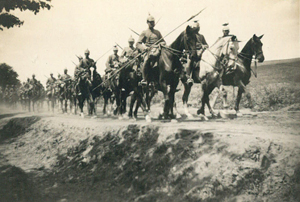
<point>257,48</point>
<point>229,50</point>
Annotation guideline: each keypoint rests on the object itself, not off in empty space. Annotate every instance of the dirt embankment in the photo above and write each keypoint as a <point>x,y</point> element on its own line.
<point>69,159</point>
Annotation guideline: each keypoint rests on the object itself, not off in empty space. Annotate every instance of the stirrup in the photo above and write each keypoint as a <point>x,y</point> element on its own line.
<point>190,81</point>
<point>143,83</point>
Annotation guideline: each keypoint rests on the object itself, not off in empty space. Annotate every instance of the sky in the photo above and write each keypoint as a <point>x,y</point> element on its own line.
<point>49,41</point>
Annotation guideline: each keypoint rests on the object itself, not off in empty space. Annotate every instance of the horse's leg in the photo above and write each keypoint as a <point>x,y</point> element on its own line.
<point>105,97</point>
<point>132,101</point>
<point>203,100</point>
<point>241,90</point>
<point>185,98</point>
<point>164,89</point>
<point>209,90</point>
<point>81,101</point>
<point>171,102</point>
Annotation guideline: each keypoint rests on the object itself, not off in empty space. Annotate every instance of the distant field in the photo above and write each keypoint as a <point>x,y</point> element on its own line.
<point>277,86</point>
<point>282,71</point>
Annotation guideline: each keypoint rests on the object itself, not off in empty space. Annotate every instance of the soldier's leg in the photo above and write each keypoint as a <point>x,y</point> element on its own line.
<point>145,68</point>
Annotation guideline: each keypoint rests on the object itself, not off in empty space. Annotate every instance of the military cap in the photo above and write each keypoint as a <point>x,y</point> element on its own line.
<point>225,27</point>
<point>196,24</point>
<point>87,51</point>
<point>115,48</point>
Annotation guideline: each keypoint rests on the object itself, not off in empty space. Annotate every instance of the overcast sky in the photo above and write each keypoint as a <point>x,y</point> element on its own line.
<point>49,41</point>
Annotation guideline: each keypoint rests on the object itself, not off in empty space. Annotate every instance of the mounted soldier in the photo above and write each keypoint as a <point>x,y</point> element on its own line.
<point>66,77</point>
<point>84,65</point>
<point>50,83</point>
<point>112,63</point>
<point>130,53</point>
<point>201,45</point>
<point>33,81</point>
<point>146,42</point>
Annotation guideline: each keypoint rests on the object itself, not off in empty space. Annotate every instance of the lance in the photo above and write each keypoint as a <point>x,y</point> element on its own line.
<point>74,63</point>
<point>134,31</point>
<point>133,60</point>
<point>119,45</point>
<point>104,54</point>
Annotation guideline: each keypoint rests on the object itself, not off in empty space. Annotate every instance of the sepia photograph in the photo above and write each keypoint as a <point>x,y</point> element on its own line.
<point>149,101</point>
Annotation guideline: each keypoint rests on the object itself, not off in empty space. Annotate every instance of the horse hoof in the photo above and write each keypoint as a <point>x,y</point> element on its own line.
<point>203,117</point>
<point>189,116</point>
<point>94,117</point>
<point>198,112</point>
<point>178,116</point>
<point>148,119</point>
<point>81,115</point>
<point>174,121</point>
<point>239,114</point>
<point>120,118</point>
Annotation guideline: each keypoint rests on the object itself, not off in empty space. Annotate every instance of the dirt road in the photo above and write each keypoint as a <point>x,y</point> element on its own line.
<point>57,157</point>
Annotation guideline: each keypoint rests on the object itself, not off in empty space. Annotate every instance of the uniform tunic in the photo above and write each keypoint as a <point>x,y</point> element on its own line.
<point>111,62</point>
<point>129,52</point>
<point>149,37</point>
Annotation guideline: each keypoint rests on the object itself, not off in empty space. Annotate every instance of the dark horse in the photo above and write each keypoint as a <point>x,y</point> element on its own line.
<point>241,76</point>
<point>169,68</point>
<point>88,80</point>
<point>122,82</point>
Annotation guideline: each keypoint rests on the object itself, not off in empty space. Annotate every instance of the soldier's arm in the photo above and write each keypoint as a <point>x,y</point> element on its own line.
<point>161,39</point>
<point>108,62</point>
<point>140,44</point>
<point>123,54</point>
<point>204,41</point>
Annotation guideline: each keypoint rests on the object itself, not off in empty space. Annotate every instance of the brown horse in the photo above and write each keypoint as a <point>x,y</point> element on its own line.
<point>169,68</point>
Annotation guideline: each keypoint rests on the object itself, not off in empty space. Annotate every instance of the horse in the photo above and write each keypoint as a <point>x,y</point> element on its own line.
<point>129,81</point>
<point>169,69</point>
<point>88,80</point>
<point>209,70</point>
<point>241,76</point>
<point>66,93</point>
<point>35,95</point>
<point>52,94</point>
<point>107,96</point>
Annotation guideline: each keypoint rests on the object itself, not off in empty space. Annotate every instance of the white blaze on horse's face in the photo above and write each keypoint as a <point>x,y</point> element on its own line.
<point>92,72</point>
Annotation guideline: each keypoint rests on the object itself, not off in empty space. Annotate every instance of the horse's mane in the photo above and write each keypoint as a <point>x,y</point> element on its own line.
<point>178,41</point>
<point>247,48</point>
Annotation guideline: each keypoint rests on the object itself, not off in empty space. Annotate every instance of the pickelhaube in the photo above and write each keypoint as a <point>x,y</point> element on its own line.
<point>131,39</point>
<point>115,48</point>
<point>150,18</point>
<point>87,51</point>
<point>33,75</point>
<point>65,69</point>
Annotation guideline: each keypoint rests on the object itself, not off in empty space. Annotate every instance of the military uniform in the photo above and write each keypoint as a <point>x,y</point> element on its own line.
<point>112,63</point>
<point>147,39</point>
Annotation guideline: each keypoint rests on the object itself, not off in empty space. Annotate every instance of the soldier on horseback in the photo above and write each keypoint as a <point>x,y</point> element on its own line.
<point>50,83</point>
<point>130,53</point>
<point>66,77</point>
<point>83,66</point>
<point>112,63</point>
<point>33,81</point>
<point>146,42</point>
<point>201,45</point>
